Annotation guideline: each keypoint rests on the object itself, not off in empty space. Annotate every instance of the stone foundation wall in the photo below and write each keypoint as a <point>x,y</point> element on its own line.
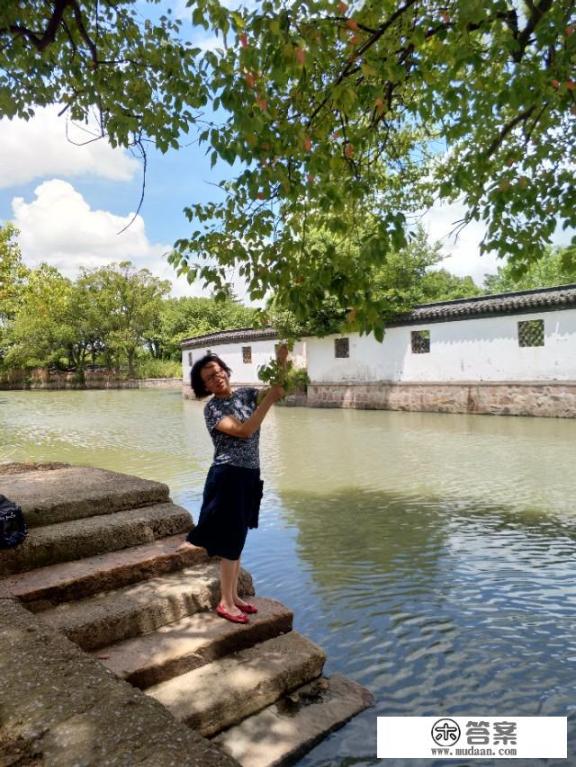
<point>550,399</point>
<point>99,382</point>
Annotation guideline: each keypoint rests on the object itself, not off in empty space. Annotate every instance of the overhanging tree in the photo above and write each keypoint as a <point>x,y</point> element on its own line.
<point>370,112</point>
<point>337,114</point>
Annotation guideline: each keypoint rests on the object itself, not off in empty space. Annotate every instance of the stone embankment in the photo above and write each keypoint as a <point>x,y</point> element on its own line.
<point>111,653</point>
<point>69,381</point>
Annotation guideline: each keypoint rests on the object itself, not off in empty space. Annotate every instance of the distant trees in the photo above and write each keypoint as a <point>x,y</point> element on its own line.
<point>116,316</point>
<point>404,277</point>
<point>556,267</point>
<point>181,318</point>
<point>13,273</point>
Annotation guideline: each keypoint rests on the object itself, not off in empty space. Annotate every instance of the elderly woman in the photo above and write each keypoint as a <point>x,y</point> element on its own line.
<point>233,488</point>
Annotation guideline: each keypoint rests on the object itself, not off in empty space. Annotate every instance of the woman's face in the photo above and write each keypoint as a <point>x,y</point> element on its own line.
<point>216,379</point>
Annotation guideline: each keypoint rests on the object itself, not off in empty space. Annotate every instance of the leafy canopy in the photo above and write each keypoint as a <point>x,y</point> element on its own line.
<point>343,115</point>
<point>346,119</point>
<point>13,272</point>
<point>556,267</point>
<point>403,278</point>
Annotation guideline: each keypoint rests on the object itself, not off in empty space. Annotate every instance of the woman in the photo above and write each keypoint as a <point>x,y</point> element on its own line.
<point>233,488</point>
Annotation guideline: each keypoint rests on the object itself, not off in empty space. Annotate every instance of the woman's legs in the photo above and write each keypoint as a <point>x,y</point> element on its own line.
<point>238,601</point>
<point>229,570</point>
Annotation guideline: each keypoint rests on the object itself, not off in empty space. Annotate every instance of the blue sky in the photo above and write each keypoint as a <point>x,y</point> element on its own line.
<point>69,202</point>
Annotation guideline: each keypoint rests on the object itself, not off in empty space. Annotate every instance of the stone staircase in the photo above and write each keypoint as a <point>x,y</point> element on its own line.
<point>101,566</point>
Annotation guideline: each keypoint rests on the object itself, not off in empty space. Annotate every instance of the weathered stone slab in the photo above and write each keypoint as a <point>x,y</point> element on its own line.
<point>61,708</point>
<point>222,693</point>
<point>88,537</point>
<point>284,731</point>
<point>46,587</point>
<point>140,608</point>
<point>192,642</point>
<point>73,492</point>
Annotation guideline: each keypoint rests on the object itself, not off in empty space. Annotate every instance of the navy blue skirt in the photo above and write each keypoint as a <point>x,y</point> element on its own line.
<point>230,507</point>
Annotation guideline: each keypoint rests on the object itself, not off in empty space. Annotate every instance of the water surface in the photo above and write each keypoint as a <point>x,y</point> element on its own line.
<point>431,555</point>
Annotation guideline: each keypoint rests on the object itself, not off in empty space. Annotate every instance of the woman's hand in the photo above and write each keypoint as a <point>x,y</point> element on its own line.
<point>276,392</point>
<point>282,354</point>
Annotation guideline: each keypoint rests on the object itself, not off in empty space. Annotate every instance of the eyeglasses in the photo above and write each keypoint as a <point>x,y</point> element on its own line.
<point>213,376</point>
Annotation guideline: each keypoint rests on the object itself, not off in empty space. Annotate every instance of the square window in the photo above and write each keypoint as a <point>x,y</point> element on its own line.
<point>420,341</point>
<point>531,333</point>
<point>246,355</point>
<point>342,347</point>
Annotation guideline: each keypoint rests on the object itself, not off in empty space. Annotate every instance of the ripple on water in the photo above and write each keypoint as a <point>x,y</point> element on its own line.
<point>432,559</point>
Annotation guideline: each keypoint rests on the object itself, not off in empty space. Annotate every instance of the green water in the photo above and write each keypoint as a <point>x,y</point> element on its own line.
<point>431,555</point>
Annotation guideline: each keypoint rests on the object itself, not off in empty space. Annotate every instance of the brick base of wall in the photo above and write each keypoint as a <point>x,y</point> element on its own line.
<point>551,399</point>
<point>94,383</point>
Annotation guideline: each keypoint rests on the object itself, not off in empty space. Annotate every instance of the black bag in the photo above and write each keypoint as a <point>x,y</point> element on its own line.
<point>13,527</point>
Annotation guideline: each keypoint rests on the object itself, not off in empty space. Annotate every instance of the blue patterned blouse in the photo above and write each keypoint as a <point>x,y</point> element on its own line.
<point>234,450</point>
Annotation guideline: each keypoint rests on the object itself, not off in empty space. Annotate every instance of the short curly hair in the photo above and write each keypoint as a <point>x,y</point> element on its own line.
<point>198,385</point>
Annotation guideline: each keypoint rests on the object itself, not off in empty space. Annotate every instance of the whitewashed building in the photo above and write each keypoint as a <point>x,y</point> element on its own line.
<point>512,353</point>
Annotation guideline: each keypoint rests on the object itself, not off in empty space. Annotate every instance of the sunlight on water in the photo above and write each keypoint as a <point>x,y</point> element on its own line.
<point>431,555</point>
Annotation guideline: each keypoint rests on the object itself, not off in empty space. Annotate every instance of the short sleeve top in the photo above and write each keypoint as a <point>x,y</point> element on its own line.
<point>234,450</point>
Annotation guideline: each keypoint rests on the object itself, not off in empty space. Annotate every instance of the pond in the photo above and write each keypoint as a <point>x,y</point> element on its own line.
<point>431,555</point>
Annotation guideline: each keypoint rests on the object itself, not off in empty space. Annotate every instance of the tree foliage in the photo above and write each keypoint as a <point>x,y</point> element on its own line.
<point>111,316</point>
<point>346,115</point>
<point>338,118</point>
<point>181,318</point>
<point>403,278</point>
<point>13,272</point>
<point>128,301</point>
<point>556,267</point>
<point>42,327</point>
<point>138,75</point>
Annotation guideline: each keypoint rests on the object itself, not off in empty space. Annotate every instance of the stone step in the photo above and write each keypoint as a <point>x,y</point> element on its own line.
<point>46,587</point>
<point>286,730</point>
<point>198,639</point>
<point>61,708</point>
<point>140,608</point>
<point>96,535</point>
<point>74,492</point>
<point>226,691</point>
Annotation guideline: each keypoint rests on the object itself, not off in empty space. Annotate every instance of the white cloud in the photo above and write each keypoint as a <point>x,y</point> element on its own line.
<point>59,227</point>
<point>39,147</point>
<point>462,251</point>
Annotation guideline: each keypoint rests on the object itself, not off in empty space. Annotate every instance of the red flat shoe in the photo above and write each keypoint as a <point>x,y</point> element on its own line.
<point>247,608</point>
<point>230,617</point>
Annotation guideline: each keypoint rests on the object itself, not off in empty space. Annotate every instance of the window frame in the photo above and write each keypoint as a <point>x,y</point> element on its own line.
<point>342,344</point>
<point>420,341</point>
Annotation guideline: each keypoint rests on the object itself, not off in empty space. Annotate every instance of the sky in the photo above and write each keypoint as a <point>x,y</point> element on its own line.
<point>70,202</point>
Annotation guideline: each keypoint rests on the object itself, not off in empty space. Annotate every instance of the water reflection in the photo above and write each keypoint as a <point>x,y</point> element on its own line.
<point>431,555</point>
<point>439,607</point>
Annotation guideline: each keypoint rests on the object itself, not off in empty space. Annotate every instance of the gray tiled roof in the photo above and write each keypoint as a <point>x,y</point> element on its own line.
<point>229,336</point>
<point>519,302</point>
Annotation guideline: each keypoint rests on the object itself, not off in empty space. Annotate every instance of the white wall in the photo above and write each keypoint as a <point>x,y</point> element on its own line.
<point>465,350</point>
<point>231,354</point>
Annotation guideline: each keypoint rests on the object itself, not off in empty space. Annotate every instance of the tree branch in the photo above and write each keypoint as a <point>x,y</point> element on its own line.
<point>140,146</point>
<point>507,129</point>
<point>359,52</point>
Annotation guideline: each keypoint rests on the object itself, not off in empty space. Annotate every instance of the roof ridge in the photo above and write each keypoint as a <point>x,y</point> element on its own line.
<point>458,308</point>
